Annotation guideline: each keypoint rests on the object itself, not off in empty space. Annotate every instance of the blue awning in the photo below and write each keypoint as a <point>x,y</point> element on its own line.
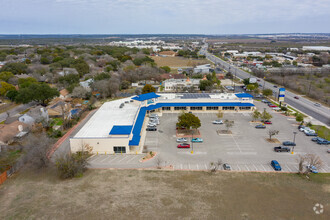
<point>146,96</point>
<point>121,130</point>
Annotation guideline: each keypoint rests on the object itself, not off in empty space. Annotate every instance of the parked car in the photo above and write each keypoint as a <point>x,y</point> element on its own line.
<point>154,115</point>
<point>217,122</point>
<point>184,145</point>
<point>289,143</point>
<point>154,121</point>
<point>282,149</point>
<point>181,140</point>
<point>323,142</point>
<point>258,96</point>
<point>328,151</point>
<point>152,125</point>
<point>272,106</point>
<point>317,139</point>
<point>226,166</point>
<point>260,126</point>
<point>296,97</point>
<point>276,165</point>
<point>197,140</point>
<point>312,169</point>
<point>265,101</point>
<point>151,129</point>
<point>317,104</point>
<point>310,133</point>
<point>268,122</point>
<point>277,108</point>
<point>301,126</point>
<point>275,86</point>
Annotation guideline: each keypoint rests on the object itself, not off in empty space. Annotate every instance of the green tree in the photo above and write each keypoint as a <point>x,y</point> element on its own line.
<point>255,115</point>
<point>300,118</point>
<point>41,93</point>
<point>167,69</point>
<point>22,83</point>
<point>15,68</point>
<point>148,88</point>
<point>5,76</point>
<point>265,116</point>
<point>188,121</point>
<point>5,87</point>
<point>44,60</point>
<point>11,94</point>
<point>205,85</point>
<point>267,92</point>
<point>69,79</point>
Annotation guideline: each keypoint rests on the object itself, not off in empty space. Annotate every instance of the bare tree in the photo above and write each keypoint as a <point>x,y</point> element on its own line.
<point>80,92</point>
<point>214,166</point>
<point>229,124</point>
<point>220,114</point>
<point>313,160</point>
<point>158,162</point>
<point>36,150</point>
<point>272,132</point>
<point>301,163</point>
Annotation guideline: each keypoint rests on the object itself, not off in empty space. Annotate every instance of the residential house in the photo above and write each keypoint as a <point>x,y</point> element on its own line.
<point>26,119</point>
<point>64,94</point>
<point>206,68</point>
<point>67,71</point>
<point>58,109</point>
<point>86,84</point>
<point>8,132</point>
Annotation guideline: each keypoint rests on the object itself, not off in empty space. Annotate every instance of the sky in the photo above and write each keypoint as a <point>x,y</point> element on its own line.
<point>164,16</point>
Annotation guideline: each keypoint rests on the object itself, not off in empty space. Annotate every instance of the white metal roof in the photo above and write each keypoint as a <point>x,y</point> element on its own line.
<point>109,114</point>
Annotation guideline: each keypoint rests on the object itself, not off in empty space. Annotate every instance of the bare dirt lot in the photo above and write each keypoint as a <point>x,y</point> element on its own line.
<point>177,62</point>
<point>133,194</point>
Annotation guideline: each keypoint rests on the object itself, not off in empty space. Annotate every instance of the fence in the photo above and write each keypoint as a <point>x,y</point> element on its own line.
<point>3,177</point>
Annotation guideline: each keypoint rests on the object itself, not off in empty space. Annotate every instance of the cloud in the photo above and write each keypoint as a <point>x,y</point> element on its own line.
<point>167,16</point>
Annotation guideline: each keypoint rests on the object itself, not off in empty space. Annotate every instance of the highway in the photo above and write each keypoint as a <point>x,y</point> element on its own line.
<point>304,105</point>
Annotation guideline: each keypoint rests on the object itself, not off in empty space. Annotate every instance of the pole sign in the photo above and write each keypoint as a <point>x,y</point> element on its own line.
<point>281,94</point>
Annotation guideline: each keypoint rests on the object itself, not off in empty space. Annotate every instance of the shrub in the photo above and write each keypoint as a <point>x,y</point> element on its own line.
<point>73,165</point>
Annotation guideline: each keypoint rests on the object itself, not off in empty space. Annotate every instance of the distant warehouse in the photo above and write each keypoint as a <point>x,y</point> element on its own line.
<point>120,126</point>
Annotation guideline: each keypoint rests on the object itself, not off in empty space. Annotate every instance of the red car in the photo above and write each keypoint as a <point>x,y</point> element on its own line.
<point>272,106</point>
<point>296,97</point>
<point>268,122</point>
<point>184,145</point>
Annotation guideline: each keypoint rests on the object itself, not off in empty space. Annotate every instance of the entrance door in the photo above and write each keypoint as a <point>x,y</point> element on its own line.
<point>119,150</point>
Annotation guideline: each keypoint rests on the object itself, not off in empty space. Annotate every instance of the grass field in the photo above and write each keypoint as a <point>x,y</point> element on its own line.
<point>177,62</point>
<point>322,131</point>
<point>133,194</point>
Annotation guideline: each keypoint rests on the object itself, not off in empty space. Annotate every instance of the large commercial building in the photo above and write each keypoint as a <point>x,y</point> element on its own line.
<point>120,126</point>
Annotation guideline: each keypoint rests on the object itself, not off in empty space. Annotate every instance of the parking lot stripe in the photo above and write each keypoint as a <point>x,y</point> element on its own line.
<point>205,166</point>
<point>197,167</point>
<point>238,167</point>
<point>122,159</point>
<point>236,144</point>
<point>255,167</point>
<point>247,167</point>
<point>288,167</point>
<point>189,166</point>
<point>181,166</point>
<point>263,167</point>
<point>133,157</point>
<point>104,159</point>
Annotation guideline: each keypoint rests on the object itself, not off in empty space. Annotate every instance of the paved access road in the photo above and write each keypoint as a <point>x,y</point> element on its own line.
<point>304,105</point>
<point>16,110</point>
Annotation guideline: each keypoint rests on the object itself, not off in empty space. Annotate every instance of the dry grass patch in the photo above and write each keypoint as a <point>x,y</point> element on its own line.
<point>137,194</point>
<point>176,62</point>
<point>273,140</point>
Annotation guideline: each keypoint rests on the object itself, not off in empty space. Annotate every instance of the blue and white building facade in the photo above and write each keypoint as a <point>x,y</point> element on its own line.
<point>120,126</point>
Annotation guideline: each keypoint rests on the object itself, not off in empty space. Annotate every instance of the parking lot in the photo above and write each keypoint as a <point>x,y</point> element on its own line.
<point>245,149</point>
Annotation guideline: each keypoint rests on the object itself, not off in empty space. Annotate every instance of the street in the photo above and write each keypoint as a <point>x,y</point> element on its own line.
<point>304,105</point>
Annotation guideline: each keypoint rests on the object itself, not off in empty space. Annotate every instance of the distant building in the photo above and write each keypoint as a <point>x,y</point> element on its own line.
<point>232,51</point>
<point>316,48</point>
<point>86,84</point>
<point>180,84</point>
<point>202,69</point>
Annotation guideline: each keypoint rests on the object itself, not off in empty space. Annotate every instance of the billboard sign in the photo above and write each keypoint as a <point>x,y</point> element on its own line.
<point>281,94</point>
<point>252,80</point>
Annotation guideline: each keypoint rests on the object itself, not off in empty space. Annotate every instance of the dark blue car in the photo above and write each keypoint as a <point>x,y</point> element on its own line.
<point>325,142</point>
<point>276,165</point>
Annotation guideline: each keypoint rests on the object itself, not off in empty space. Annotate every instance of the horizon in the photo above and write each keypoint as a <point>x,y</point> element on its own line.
<point>125,17</point>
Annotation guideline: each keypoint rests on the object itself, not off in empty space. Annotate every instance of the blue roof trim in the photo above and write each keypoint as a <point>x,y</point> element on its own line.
<point>137,127</point>
<point>244,95</point>
<point>146,96</point>
<point>121,130</point>
<point>139,121</point>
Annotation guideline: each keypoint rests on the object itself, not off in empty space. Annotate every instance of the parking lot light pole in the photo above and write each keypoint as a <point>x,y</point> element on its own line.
<point>192,143</point>
<point>294,140</point>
